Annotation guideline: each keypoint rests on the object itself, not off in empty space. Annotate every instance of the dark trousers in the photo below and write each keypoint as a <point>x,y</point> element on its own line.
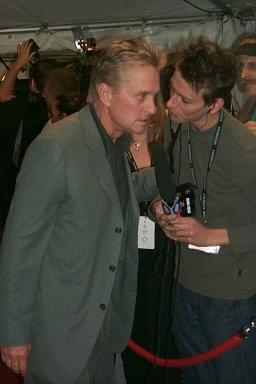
<point>200,323</point>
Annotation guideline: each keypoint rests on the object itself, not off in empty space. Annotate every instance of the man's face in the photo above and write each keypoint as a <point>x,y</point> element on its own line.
<point>133,101</point>
<point>247,81</point>
<point>185,103</point>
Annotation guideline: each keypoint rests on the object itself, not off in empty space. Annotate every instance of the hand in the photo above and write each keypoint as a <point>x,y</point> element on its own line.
<point>187,230</point>
<point>23,54</point>
<point>162,218</point>
<point>16,358</point>
<point>251,125</point>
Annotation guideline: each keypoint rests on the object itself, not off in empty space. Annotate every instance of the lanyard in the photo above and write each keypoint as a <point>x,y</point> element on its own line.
<point>203,196</point>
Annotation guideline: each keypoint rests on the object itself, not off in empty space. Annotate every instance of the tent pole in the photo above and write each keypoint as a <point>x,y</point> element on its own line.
<point>95,27</point>
<point>222,6</point>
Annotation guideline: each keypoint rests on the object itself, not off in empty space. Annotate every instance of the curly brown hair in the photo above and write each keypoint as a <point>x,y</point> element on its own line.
<point>210,68</point>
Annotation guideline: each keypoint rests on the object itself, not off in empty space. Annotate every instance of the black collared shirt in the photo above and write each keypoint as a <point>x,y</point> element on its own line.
<point>115,155</point>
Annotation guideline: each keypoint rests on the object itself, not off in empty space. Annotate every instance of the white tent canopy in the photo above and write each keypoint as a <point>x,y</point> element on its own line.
<point>163,22</point>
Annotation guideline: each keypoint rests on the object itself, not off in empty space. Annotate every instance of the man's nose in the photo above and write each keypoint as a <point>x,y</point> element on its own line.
<point>244,72</point>
<point>172,101</point>
<point>151,106</point>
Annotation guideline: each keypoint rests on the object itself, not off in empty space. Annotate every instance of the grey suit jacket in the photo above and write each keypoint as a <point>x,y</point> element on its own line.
<point>62,245</point>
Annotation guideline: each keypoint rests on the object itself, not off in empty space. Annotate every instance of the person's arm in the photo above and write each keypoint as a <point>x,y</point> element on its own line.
<point>8,84</point>
<point>243,237</point>
<point>144,182</point>
<point>188,229</point>
<point>39,191</point>
<point>251,125</point>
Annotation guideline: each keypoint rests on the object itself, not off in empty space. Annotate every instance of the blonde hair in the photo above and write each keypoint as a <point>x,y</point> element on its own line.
<point>155,130</point>
<point>121,54</point>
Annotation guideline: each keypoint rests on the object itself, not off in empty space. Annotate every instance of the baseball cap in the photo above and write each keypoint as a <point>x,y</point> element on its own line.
<point>245,45</point>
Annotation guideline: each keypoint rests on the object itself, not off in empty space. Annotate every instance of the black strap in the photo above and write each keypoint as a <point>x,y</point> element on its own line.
<point>163,173</point>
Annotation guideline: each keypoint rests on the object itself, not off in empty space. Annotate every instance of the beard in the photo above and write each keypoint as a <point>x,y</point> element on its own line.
<point>247,86</point>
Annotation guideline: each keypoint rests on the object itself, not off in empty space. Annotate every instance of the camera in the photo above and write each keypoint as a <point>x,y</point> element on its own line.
<point>185,193</point>
<point>34,48</point>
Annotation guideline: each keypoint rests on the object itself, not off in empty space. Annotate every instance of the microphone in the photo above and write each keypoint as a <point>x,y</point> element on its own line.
<point>163,174</point>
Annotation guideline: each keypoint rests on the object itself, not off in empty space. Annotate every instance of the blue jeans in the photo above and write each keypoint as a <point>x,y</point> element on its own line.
<point>202,322</point>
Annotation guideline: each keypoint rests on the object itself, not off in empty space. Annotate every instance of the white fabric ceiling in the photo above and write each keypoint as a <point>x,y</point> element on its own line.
<point>31,13</point>
<point>164,22</point>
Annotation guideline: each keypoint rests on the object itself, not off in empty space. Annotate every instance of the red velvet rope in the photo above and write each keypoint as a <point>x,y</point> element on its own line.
<point>187,361</point>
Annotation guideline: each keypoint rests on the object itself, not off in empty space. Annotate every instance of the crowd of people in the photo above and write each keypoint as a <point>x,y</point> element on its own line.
<point>128,213</point>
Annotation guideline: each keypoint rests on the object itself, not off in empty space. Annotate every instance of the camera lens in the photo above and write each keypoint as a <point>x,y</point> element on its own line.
<point>187,199</point>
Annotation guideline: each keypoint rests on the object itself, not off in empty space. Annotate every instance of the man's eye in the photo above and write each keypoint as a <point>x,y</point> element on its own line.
<point>142,97</point>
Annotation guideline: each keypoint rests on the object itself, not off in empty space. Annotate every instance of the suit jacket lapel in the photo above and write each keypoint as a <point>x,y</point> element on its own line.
<point>133,207</point>
<point>96,154</point>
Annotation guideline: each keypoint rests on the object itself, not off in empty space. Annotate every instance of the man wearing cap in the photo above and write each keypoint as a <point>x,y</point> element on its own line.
<point>246,49</point>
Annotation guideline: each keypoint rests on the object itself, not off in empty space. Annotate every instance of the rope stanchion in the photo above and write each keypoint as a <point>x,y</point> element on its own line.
<point>230,343</point>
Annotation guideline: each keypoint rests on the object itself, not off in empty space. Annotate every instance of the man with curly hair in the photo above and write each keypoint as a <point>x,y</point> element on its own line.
<point>214,158</point>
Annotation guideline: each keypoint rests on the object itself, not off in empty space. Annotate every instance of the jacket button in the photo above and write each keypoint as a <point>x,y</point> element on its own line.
<point>102,307</point>
<point>118,230</point>
<point>112,268</point>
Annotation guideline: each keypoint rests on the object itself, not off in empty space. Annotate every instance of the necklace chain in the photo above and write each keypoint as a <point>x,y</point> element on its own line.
<point>138,144</point>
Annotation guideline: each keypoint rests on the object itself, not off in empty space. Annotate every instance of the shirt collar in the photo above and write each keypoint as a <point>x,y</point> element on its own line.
<point>121,142</point>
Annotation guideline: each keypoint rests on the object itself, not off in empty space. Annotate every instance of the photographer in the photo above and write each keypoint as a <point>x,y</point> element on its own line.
<point>23,113</point>
<point>216,264</point>
<point>7,85</point>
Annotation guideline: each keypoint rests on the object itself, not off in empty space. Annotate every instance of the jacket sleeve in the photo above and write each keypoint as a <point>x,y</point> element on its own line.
<point>243,238</point>
<point>40,189</point>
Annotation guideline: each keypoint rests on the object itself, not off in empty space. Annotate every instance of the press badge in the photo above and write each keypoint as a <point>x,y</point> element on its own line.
<point>146,233</point>
<point>214,249</point>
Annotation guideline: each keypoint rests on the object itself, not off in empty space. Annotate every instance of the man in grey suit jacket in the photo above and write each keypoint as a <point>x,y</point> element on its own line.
<point>68,263</point>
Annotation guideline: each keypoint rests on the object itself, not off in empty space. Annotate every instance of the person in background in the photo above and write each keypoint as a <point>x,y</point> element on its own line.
<point>23,114</point>
<point>68,258</point>
<point>9,78</point>
<point>245,49</point>
<point>153,308</point>
<point>61,93</point>
<point>215,223</point>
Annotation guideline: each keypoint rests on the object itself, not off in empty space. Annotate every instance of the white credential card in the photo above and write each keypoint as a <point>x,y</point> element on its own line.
<point>214,249</point>
<point>146,233</point>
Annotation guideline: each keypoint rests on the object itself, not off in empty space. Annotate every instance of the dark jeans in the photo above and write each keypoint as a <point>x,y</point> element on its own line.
<point>202,322</point>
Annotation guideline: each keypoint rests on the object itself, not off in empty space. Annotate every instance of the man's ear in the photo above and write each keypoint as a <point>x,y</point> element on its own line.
<point>105,93</point>
<point>216,106</point>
